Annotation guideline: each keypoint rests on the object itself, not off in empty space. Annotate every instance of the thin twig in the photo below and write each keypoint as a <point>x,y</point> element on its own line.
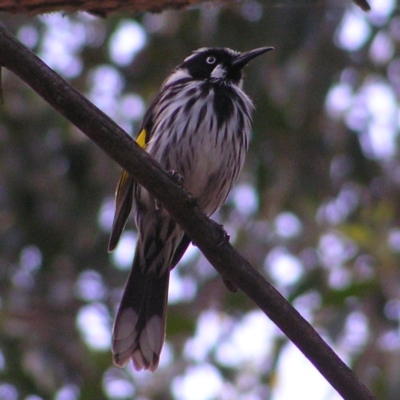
<point>204,232</point>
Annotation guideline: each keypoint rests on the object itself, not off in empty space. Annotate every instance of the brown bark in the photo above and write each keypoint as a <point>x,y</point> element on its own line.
<point>104,7</point>
<point>99,7</point>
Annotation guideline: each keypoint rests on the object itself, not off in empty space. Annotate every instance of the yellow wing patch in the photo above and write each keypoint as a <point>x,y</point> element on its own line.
<point>141,139</point>
<point>124,199</point>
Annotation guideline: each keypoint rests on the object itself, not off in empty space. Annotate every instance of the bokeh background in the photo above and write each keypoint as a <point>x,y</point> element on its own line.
<point>316,209</point>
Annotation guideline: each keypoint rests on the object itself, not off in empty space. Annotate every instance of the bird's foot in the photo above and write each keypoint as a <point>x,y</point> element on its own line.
<point>179,179</point>
<point>176,177</point>
<point>223,235</point>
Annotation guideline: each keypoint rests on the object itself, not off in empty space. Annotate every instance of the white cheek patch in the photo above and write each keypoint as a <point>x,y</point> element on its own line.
<point>219,72</point>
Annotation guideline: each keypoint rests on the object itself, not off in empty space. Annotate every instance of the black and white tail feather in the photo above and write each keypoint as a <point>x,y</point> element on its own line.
<point>199,126</point>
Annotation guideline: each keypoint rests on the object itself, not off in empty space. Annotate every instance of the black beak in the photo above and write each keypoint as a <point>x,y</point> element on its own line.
<point>244,58</point>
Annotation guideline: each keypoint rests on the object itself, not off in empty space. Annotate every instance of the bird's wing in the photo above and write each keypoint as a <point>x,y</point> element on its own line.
<point>126,184</point>
<point>124,197</point>
<point>123,206</point>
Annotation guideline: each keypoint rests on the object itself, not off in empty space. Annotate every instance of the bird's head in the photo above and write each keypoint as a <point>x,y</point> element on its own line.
<point>220,65</point>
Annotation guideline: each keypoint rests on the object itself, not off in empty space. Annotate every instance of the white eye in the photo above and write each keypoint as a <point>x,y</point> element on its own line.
<point>211,60</point>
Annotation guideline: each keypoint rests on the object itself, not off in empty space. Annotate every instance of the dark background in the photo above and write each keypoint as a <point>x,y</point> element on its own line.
<point>316,208</point>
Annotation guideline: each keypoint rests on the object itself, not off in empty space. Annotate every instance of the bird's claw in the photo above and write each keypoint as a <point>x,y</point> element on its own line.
<point>176,177</point>
<point>223,235</point>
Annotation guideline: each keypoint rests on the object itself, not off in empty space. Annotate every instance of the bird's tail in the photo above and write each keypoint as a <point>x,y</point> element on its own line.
<point>139,327</point>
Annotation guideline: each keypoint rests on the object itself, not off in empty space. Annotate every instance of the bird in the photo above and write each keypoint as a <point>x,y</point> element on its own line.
<point>198,126</point>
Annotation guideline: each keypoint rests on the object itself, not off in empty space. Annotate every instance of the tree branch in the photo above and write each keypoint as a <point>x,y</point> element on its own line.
<point>98,7</point>
<point>105,7</point>
<point>204,232</point>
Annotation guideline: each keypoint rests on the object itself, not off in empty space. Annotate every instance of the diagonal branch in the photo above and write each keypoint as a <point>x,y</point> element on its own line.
<point>204,232</point>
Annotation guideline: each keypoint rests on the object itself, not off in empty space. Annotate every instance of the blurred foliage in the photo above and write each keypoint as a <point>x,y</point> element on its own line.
<point>316,207</point>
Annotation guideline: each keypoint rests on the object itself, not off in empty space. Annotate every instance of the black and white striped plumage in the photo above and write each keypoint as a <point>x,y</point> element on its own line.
<point>199,126</point>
